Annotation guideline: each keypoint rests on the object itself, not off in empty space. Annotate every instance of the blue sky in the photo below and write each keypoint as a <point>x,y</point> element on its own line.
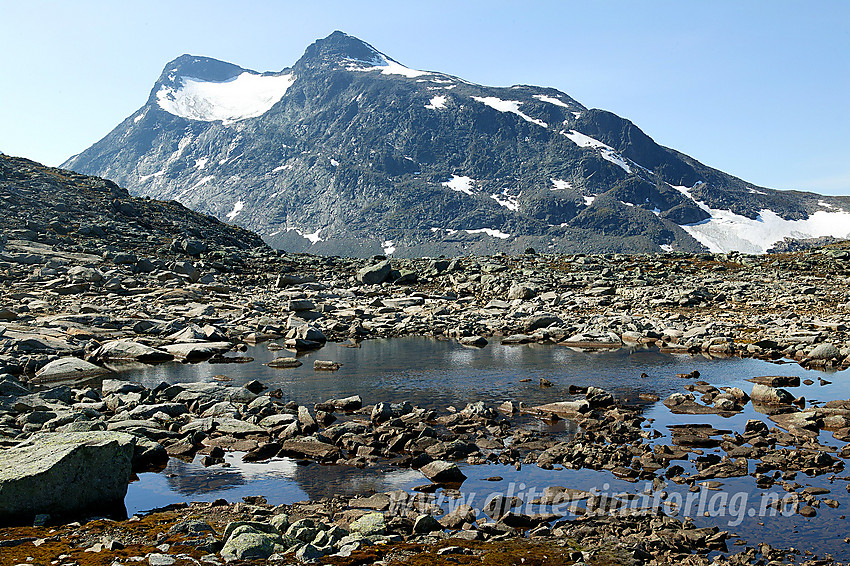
<point>759,89</point>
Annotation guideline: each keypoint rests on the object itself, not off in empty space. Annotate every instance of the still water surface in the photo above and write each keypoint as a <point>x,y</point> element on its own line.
<point>436,374</point>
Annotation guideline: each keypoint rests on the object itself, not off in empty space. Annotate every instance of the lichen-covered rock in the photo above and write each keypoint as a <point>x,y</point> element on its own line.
<point>370,524</point>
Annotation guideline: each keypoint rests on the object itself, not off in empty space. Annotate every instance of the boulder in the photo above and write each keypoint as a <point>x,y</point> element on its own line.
<point>426,523</point>
<point>776,380</point>
<point>284,363</point>
<point>562,408</point>
<point>68,368</point>
<point>65,473</point>
<point>440,471</point>
<point>310,449</point>
<point>194,351</point>
<point>825,351</point>
<point>592,340</point>
<point>766,395</point>
<point>129,350</point>
<point>369,524</point>
<point>374,274</point>
<point>249,542</point>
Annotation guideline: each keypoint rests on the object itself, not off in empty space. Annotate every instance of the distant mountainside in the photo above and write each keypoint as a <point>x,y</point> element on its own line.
<point>349,152</point>
<point>71,212</point>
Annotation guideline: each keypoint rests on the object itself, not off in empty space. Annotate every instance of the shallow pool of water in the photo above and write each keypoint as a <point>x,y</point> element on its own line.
<point>435,374</point>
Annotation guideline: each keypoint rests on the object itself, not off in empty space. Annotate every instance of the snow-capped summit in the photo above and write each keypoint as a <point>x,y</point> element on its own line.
<point>351,152</point>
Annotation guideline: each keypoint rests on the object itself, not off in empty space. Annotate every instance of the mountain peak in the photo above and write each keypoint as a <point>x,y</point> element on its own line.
<point>339,48</point>
<point>198,67</point>
<point>352,152</point>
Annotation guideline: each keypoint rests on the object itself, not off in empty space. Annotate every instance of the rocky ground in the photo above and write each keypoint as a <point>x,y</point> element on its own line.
<point>122,280</point>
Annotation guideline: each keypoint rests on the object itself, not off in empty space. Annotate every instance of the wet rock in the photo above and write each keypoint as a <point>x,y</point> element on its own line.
<point>440,471</point>
<point>196,351</point>
<point>594,340</point>
<point>284,363</point>
<point>477,341</point>
<point>766,395</point>
<point>776,380</point>
<point>564,409</point>
<point>313,449</point>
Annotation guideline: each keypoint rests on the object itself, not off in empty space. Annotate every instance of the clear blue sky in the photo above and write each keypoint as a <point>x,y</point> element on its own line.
<point>759,89</point>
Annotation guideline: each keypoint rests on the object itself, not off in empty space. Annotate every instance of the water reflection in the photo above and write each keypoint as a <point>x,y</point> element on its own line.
<point>435,374</point>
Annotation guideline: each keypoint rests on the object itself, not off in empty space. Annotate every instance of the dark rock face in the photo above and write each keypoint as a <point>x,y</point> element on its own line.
<point>361,155</point>
<point>77,213</point>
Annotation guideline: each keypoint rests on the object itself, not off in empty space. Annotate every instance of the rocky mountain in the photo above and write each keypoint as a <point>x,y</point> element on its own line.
<point>51,212</point>
<point>349,152</point>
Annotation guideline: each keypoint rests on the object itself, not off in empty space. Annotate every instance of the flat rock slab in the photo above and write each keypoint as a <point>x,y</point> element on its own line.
<point>776,380</point>
<point>196,350</point>
<point>130,350</point>
<point>64,473</point>
<point>67,369</point>
<point>562,408</point>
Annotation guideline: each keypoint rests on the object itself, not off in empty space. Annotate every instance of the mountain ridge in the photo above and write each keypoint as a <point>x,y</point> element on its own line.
<point>350,152</point>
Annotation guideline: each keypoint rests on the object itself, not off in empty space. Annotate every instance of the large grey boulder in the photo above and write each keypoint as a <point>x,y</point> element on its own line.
<point>440,471</point>
<point>64,473</point>
<point>825,351</point>
<point>766,395</point>
<point>130,350</point>
<point>252,541</point>
<point>374,274</point>
<point>193,351</point>
<point>369,524</point>
<point>68,368</point>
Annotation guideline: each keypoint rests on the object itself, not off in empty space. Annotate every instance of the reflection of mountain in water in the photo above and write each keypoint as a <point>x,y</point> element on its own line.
<point>323,481</point>
<point>276,478</point>
<point>191,478</point>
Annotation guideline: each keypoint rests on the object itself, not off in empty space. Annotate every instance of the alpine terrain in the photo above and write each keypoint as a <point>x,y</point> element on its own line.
<point>349,152</point>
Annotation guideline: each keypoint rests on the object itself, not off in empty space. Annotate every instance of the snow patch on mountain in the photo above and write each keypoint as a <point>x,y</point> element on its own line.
<point>201,162</point>
<point>588,200</point>
<point>436,103</point>
<point>388,247</point>
<point>247,95</point>
<point>387,66</point>
<point>607,152</point>
<point>460,184</point>
<point>314,237</point>
<point>551,100</point>
<point>490,232</point>
<point>143,178</point>
<point>511,106</point>
<point>237,208</point>
<point>583,140</point>
<point>726,231</point>
<point>509,201</point>
<point>560,185</point>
